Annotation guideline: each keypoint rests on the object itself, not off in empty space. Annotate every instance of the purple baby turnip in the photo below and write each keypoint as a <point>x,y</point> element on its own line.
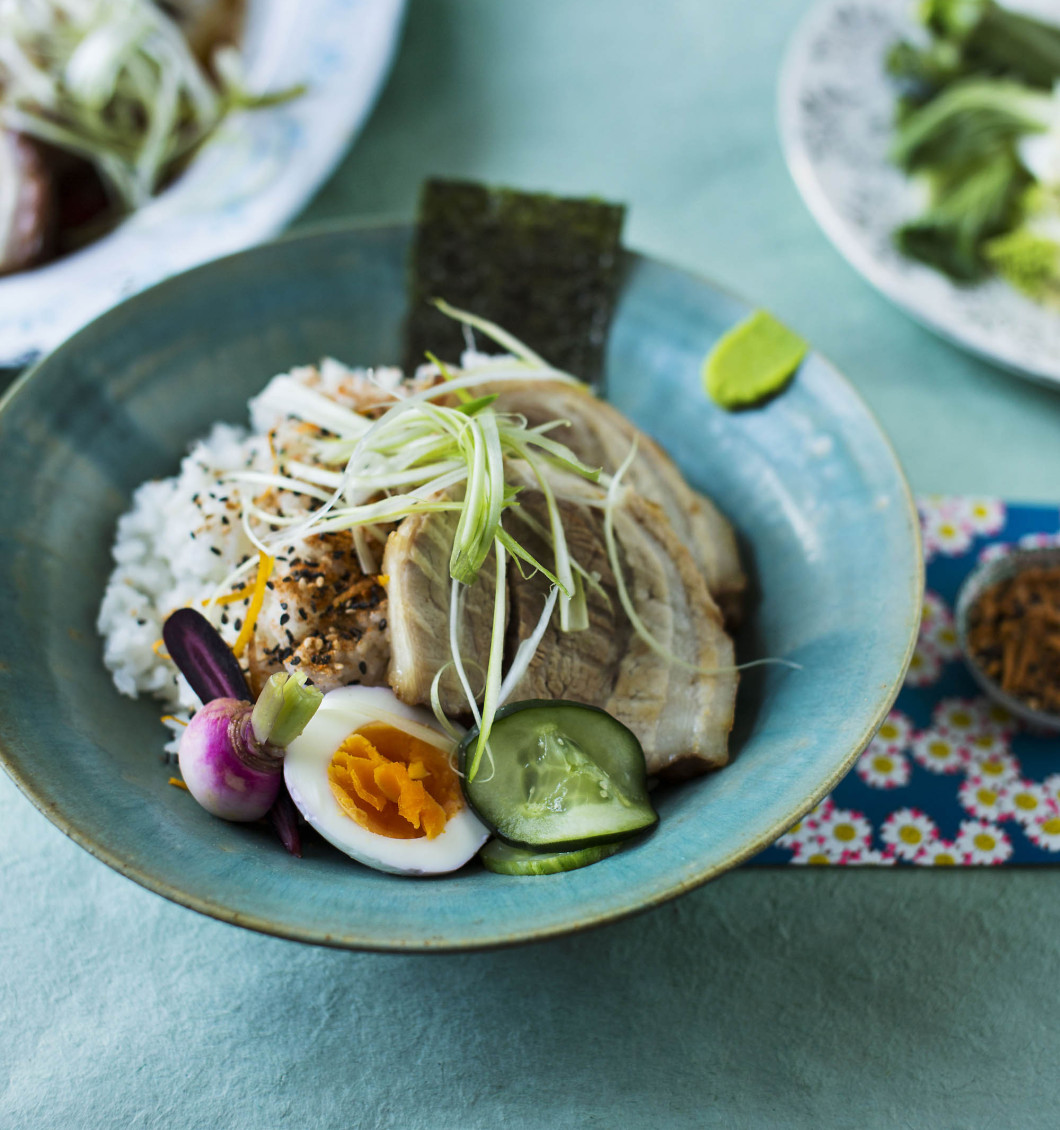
<point>225,769</point>
<point>231,752</point>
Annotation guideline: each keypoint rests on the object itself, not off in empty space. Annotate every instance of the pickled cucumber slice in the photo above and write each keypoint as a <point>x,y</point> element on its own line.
<point>560,775</point>
<point>508,860</point>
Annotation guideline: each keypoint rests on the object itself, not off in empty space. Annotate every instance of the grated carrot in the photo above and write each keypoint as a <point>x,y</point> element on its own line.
<point>158,648</point>
<point>177,783</point>
<point>265,565</point>
<point>231,597</point>
<point>173,718</point>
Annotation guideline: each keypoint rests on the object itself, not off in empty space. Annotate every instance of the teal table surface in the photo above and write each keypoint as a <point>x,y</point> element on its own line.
<point>785,998</point>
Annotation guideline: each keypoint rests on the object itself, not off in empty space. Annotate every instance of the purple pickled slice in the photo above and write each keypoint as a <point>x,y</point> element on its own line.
<point>283,816</point>
<point>204,659</point>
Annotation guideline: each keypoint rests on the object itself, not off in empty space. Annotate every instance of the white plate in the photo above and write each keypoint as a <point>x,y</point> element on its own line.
<point>836,106</point>
<point>257,172</point>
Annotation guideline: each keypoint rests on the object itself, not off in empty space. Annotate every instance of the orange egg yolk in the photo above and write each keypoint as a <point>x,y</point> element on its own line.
<point>394,784</point>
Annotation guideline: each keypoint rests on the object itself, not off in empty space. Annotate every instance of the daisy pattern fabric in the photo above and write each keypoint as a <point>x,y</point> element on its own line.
<point>950,779</point>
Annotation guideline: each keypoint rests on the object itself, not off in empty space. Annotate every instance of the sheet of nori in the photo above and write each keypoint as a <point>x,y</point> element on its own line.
<point>546,268</point>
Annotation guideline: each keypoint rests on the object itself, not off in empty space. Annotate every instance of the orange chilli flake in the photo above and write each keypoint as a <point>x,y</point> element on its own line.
<point>177,783</point>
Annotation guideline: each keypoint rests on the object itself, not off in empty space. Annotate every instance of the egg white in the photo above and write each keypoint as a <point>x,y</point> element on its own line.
<point>305,769</point>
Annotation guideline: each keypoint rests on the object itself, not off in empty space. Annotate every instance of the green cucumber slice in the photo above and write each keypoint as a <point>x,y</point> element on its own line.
<point>508,860</point>
<point>562,775</point>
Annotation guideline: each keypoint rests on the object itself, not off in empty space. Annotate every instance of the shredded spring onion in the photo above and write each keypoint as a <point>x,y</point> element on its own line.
<point>419,456</point>
<point>113,82</point>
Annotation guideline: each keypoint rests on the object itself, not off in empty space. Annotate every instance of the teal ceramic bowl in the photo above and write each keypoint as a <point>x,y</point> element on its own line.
<point>827,525</point>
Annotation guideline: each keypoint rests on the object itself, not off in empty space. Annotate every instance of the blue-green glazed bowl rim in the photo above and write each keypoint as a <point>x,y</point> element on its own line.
<point>909,587</point>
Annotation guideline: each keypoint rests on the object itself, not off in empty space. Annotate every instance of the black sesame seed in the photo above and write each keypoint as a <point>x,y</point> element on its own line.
<point>363,667</point>
<point>284,618</point>
<point>382,624</point>
<point>214,550</point>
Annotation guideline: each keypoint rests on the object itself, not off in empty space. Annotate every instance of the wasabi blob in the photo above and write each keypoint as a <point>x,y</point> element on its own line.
<point>752,361</point>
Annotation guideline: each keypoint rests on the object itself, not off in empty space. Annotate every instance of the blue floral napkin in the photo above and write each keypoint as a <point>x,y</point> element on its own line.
<point>951,779</point>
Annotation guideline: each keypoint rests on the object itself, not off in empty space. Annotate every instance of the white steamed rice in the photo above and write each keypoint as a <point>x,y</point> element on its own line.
<point>179,540</point>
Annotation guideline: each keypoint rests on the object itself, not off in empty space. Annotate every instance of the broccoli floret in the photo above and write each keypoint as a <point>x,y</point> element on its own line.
<point>975,123</point>
<point>1030,262</point>
<point>996,40</point>
<point>1028,257</point>
<point>924,69</point>
<point>967,209</point>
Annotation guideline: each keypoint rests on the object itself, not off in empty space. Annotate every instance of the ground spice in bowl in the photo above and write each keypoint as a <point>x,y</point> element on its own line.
<point>1013,635</point>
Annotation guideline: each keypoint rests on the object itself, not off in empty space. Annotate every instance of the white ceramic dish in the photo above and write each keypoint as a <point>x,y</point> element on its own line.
<point>257,172</point>
<point>835,110</point>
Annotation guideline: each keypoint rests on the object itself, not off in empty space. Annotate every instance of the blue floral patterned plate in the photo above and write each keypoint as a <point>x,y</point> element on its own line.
<point>828,530</point>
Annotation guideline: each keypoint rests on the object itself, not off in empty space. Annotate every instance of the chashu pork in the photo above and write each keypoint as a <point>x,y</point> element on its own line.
<point>416,562</point>
<point>601,436</point>
<point>681,716</point>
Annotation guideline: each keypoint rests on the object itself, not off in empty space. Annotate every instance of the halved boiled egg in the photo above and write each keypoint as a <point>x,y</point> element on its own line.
<point>375,778</point>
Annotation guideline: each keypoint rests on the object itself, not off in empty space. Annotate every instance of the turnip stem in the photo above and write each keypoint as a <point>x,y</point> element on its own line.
<point>283,709</point>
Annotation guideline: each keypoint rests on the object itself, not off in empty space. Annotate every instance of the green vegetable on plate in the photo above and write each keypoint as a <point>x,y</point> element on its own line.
<point>977,126</point>
<point>752,361</point>
<point>974,37</point>
<point>1028,257</point>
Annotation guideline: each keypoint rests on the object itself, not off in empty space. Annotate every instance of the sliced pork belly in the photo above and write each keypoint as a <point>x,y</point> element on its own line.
<point>601,436</point>
<point>416,563</point>
<point>27,203</point>
<point>681,716</point>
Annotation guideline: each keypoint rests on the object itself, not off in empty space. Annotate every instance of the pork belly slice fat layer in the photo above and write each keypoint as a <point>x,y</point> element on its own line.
<point>681,717</point>
<point>601,436</point>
